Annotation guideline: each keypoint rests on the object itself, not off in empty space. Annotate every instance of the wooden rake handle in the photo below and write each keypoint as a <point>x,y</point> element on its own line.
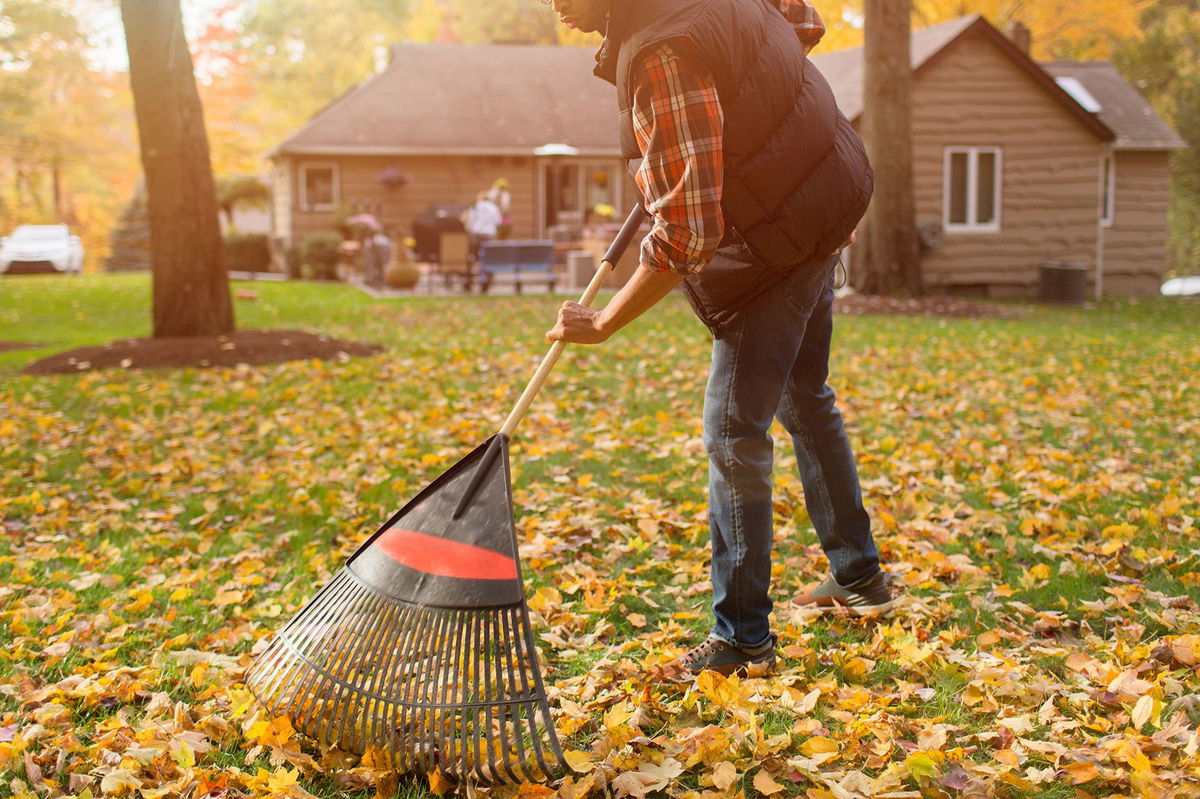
<point>619,245</point>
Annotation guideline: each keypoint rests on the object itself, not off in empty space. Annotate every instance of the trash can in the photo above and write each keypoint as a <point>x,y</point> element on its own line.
<point>1064,282</point>
<point>581,265</point>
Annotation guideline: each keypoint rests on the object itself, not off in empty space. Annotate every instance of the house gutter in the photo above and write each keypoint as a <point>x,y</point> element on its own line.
<point>1106,152</point>
<point>426,151</point>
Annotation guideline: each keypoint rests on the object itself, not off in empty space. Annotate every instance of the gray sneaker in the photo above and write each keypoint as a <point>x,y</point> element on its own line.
<point>870,597</point>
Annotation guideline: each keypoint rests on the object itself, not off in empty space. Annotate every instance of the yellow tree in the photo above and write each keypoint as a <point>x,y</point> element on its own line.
<point>65,155</point>
<point>1080,29</point>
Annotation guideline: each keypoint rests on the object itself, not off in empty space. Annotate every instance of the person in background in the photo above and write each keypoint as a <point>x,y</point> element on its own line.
<point>377,254</point>
<point>502,197</point>
<point>482,222</point>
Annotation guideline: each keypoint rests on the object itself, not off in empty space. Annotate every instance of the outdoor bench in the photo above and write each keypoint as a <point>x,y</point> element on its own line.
<point>518,262</point>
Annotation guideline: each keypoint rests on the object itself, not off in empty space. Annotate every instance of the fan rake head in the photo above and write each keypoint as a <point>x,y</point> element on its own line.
<point>419,651</point>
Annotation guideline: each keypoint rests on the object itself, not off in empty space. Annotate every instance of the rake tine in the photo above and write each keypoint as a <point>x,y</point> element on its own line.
<point>333,586</point>
<point>429,692</point>
<point>297,654</point>
<point>406,686</point>
<point>457,690</point>
<point>418,635</point>
<point>542,705</point>
<point>374,731</point>
<point>529,663</point>
<point>338,705</point>
<point>327,706</point>
<point>442,718</point>
<point>470,723</point>
<point>488,691</point>
<point>461,752</point>
<point>514,749</point>
<point>285,660</point>
<point>361,677</point>
<point>318,682</point>
<point>514,714</point>
<point>312,701</point>
<point>313,632</point>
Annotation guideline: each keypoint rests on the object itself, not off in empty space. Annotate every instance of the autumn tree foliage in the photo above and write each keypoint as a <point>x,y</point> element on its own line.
<point>65,150</point>
<point>301,54</point>
<point>191,284</point>
<point>1163,62</point>
<point>889,262</point>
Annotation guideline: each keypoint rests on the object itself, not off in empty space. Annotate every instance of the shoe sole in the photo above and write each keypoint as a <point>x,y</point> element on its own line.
<point>832,604</point>
<point>682,673</point>
<point>742,669</point>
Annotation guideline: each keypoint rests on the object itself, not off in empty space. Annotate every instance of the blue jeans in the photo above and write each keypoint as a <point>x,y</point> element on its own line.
<point>772,361</point>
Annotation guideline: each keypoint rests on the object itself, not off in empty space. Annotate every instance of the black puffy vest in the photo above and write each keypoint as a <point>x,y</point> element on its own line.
<point>797,180</point>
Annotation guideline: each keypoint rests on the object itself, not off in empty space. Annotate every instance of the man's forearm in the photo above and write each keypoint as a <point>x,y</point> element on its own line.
<point>643,291</point>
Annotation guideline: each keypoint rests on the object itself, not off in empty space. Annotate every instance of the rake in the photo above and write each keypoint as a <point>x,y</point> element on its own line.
<point>418,654</point>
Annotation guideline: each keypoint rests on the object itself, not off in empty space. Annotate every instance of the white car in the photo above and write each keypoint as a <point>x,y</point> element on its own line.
<point>41,249</point>
<point>1182,287</point>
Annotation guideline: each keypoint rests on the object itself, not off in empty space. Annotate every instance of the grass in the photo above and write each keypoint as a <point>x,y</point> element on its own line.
<point>1031,476</point>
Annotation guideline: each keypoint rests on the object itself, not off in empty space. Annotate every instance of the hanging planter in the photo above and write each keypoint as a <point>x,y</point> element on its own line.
<point>391,178</point>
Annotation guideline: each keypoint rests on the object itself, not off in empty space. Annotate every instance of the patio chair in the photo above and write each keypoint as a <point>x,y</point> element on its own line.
<point>455,259</point>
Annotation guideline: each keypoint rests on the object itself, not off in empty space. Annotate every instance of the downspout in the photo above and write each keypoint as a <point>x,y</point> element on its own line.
<point>1105,200</point>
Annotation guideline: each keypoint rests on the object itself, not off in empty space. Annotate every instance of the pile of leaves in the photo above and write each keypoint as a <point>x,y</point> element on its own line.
<point>1033,482</point>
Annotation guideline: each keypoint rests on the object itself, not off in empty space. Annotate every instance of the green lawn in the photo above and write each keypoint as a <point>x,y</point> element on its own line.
<point>1034,482</point>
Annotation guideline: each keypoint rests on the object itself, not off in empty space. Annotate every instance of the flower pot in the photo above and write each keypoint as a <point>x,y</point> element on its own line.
<point>401,275</point>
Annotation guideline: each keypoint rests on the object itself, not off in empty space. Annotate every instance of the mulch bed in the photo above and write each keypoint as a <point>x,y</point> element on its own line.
<point>13,345</point>
<point>252,347</point>
<point>856,304</point>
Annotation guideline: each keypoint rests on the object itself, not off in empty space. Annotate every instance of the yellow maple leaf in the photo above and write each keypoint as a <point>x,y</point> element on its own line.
<point>275,732</point>
<point>819,745</point>
<point>438,784</point>
<point>579,761</point>
<point>1080,773</point>
<point>923,764</point>
<point>225,598</point>
<point>724,775</point>
<point>764,784</point>
<point>716,688</point>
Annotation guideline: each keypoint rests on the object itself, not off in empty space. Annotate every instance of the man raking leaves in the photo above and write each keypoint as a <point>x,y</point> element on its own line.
<point>755,182</point>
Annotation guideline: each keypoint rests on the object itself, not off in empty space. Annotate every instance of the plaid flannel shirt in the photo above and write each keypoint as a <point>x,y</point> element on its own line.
<point>679,124</point>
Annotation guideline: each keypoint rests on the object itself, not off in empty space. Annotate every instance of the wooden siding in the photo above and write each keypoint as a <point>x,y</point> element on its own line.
<point>281,199</point>
<point>972,95</point>
<point>435,179</point>
<point>1135,247</point>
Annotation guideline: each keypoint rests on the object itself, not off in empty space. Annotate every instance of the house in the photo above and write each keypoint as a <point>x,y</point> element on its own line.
<point>1021,163</point>
<point>440,123</point>
<point>1015,163</point>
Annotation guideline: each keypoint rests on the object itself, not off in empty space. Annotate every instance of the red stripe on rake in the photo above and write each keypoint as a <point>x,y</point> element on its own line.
<point>445,558</point>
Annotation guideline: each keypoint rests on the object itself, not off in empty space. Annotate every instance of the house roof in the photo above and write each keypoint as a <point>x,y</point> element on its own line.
<point>500,99</point>
<point>1122,106</point>
<point>844,68</point>
<point>509,99</point>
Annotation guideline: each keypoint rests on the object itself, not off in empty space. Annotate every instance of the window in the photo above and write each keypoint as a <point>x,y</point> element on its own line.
<point>1108,191</point>
<point>972,189</point>
<point>574,194</point>
<point>318,187</point>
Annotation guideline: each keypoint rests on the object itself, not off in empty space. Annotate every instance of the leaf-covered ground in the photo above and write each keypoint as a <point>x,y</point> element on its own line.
<point>1034,483</point>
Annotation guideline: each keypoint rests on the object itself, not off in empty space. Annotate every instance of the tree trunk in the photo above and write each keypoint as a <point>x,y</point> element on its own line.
<point>891,260</point>
<point>191,281</point>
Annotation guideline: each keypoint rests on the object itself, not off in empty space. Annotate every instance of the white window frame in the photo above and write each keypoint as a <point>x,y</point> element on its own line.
<point>584,165</point>
<point>972,153</point>
<point>305,205</point>
<point>1108,210</point>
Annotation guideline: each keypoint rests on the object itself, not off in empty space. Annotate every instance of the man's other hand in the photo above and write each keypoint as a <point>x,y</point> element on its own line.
<point>577,324</point>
